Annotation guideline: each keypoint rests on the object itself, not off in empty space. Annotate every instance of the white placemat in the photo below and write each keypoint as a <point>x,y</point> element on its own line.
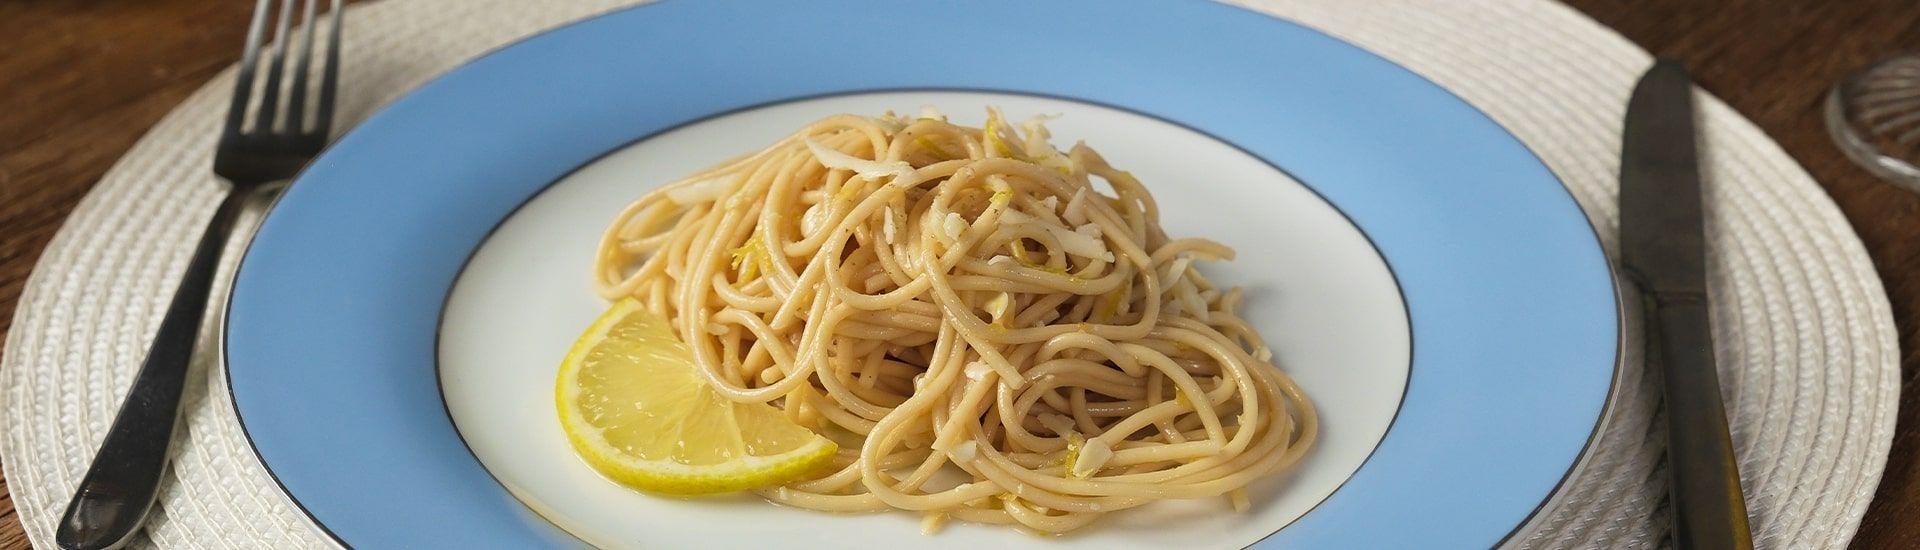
<point>1804,333</point>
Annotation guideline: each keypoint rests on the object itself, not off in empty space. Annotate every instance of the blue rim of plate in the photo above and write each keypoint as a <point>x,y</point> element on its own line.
<point>331,333</point>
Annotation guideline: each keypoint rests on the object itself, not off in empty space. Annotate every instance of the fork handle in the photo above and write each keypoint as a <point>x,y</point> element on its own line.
<point>113,499</point>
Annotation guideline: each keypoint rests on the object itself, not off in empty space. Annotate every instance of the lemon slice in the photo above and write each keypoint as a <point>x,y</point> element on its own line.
<point>636,410</point>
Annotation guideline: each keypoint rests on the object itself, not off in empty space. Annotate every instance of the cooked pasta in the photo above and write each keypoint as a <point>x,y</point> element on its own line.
<point>991,337</point>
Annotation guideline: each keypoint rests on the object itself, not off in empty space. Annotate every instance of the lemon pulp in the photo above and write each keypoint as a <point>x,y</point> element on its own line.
<point>635,409</point>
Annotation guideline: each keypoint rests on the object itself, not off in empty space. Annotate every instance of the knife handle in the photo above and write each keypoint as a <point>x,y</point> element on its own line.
<point>1709,512</point>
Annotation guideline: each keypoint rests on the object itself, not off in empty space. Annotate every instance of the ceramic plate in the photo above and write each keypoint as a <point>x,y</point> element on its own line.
<point>397,323</point>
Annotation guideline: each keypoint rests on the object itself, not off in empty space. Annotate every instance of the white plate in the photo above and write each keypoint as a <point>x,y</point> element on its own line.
<point>1316,288</point>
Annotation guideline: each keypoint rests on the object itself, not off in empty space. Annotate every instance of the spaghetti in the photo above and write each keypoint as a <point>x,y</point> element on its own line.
<point>990,336</point>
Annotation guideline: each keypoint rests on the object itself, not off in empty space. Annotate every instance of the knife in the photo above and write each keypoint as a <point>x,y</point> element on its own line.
<point>1663,250</point>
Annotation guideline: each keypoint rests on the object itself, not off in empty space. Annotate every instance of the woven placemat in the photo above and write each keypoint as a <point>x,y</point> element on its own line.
<point>1804,333</point>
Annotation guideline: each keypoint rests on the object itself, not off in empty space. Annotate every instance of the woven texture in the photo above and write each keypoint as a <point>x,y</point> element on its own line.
<point>1804,333</point>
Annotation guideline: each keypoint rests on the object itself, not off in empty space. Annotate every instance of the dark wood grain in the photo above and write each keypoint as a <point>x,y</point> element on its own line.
<point>80,80</point>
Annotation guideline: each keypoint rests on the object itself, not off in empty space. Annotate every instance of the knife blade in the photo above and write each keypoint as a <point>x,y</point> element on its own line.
<point>1663,250</point>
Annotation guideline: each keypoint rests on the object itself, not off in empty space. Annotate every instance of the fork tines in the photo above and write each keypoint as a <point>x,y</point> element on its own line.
<point>284,110</point>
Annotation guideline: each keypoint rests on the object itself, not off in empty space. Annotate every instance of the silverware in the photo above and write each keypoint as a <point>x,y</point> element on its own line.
<point>1663,249</point>
<point>261,143</point>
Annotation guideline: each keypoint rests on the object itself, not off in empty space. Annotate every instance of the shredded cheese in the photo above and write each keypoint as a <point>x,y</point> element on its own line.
<point>966,451</point>
<point>996,142</point>
<point>977,371</point>
<point>870,169</point>
<point>998,306</point>
<point>889,229</point>
<point>1081,245</point>
<point>1061,425</point>
<point>1093,454</point>
<point>1076,212</point>
<point>954,226</point>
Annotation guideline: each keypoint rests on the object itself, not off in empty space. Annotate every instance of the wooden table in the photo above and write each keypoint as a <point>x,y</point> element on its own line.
<point>81,80</point>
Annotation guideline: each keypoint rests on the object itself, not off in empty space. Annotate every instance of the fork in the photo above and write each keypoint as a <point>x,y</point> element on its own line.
<point>120,486</point>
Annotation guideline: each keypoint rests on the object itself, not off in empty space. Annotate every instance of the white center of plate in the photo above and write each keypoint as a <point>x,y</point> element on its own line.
<point>1316,289</point>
